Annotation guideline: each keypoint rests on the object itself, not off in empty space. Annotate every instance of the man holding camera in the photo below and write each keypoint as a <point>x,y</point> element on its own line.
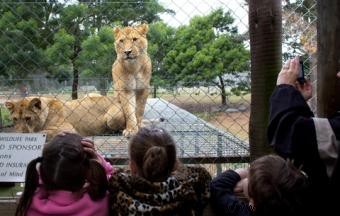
<point>294,132</point>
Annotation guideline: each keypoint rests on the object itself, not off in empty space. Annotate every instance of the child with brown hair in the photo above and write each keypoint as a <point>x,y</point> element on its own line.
<point>272,185</point>
<point>68,180</point>
<point>157,184</point>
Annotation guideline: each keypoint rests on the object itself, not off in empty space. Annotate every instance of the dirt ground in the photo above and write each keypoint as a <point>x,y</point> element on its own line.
<point>235,122</point>
<point>233,118</point>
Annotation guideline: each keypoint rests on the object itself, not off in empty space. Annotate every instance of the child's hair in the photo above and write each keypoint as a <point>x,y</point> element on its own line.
<point>154,152</point>
<point>64,165</point>
<point>276,186</point>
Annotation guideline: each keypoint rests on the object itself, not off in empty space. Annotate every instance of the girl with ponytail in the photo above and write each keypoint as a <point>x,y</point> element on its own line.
<point>156,183</point>
<point>69,179</point>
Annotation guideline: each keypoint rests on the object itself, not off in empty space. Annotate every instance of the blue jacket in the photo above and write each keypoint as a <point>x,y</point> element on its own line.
<point>223,199</point>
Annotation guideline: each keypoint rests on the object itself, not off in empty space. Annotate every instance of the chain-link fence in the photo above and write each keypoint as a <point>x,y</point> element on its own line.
<point>300,36</point>
<point>199,50</point>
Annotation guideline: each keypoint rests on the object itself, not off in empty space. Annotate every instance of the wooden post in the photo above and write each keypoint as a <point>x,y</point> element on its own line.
<point>265,29</point>
<point>328,25</point>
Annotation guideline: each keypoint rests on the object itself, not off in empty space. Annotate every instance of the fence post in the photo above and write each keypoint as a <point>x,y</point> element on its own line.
<point>265,29</point>
<point>328,87</point>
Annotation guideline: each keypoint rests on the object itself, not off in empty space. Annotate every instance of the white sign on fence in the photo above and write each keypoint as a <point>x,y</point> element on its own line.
<point>16,151</point>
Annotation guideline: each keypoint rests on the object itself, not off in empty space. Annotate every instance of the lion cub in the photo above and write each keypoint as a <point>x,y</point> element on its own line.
<point>131,73</point>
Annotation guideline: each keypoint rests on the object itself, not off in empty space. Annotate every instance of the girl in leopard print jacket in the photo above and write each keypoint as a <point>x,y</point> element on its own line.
<point>156,183</point>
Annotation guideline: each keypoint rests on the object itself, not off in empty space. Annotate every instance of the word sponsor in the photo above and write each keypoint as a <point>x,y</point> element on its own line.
<point>16,151</point>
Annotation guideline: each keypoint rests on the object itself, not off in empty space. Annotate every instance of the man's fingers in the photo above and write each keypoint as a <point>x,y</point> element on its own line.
<point>338,74</point>
<point>293,67</point>
<point>286,65</point>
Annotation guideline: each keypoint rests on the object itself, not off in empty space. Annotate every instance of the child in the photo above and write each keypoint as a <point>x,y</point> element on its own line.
<point>156,183</point>
<point>273,186</point>
<point>69,179</point>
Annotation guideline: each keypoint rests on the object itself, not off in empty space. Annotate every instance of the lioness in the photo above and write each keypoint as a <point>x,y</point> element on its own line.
<point>91,115</point>
<point>33,114</point>
<point>131,73</point>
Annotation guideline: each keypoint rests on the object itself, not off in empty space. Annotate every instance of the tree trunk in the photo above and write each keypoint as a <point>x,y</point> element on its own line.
<point>76,51</point>
<point>265,29</point>
<point>103,86</point>
<point>75,82</point>
<point>223,93</point>
<point>328,97</point>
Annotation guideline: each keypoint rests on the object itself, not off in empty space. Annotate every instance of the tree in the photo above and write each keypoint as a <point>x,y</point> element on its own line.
<point>59,55</point>
<point>83,23</point>
<point>160,43</point>
<point>207,50</point>
<point>97,56</point>
<point>299,35</point>
<point>265,28</point>
<point>26,30</point>
<point>72,19</point>
<point>106,12</point>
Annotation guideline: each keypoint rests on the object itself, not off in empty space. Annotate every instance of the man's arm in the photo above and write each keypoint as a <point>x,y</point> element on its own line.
<point>290,120</point>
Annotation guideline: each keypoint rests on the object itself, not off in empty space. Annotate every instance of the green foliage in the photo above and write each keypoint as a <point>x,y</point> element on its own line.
<point>61,50</point>
<point>47,36</point>
<point>160,43</point>
<point>65,41</point>
<point>20,54</point>
<point>5,116</point>
<point>207,49</point>
<point>97,54</point>
<point>299,28</point>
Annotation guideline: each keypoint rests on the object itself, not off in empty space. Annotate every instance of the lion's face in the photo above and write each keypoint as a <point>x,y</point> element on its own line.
<point>131,42</point>
<point>26,114</point>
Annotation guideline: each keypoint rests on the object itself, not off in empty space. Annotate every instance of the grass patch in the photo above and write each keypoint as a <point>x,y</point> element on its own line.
<point>5,117</point>
<point>10,192</point>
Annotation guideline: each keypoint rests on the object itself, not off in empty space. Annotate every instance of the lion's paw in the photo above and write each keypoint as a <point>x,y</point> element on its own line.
<point>129,132</point>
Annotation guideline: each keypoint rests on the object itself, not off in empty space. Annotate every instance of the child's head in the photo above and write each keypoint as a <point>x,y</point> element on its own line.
<point>276,186</point>
<point>152,154</point>
<point>64,165</point>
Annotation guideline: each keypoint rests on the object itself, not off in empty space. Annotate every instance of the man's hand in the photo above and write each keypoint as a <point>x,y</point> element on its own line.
<point>289,72</point>
<point>305,89</point>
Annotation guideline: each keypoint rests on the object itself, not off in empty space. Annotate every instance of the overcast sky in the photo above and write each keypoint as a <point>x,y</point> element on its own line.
<point>186,9</point>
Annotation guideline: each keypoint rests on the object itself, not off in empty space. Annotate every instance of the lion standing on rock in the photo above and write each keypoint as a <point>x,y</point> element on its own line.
<point>131,73</point>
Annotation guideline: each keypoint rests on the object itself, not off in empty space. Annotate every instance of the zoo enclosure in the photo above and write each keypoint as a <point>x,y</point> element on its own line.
<point>200,58</point>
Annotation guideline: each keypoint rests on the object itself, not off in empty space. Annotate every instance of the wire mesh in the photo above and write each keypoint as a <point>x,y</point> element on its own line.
<point>199,50</point>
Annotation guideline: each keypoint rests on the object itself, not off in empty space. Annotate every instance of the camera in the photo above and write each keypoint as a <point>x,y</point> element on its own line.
<point>301,78</point>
